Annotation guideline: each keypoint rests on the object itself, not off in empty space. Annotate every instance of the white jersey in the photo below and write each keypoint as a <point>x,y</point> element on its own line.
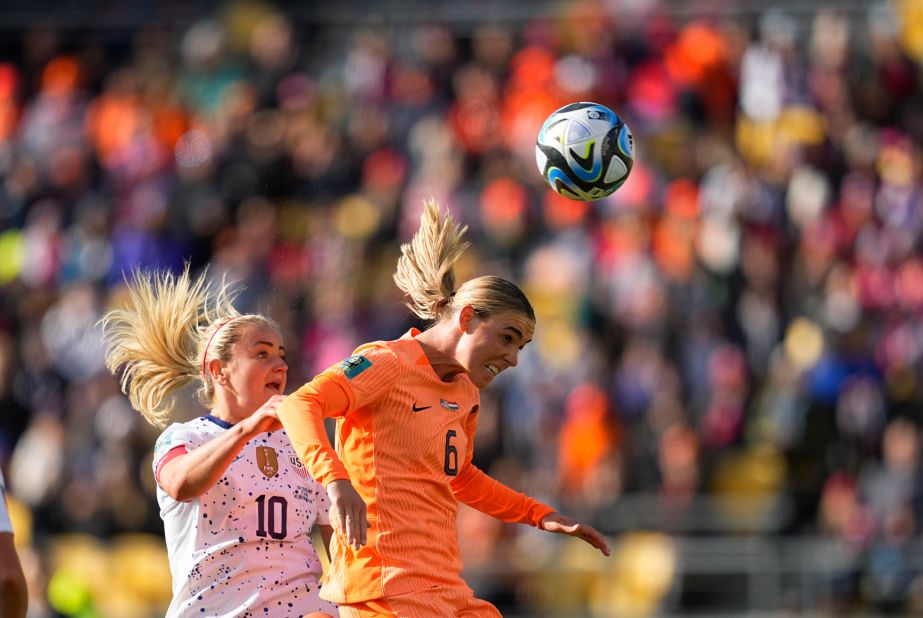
<point>5,524</point>
<point>243,548</point>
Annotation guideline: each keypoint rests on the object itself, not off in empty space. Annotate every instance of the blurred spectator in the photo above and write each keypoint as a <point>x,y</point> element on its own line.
<point>741,319</point>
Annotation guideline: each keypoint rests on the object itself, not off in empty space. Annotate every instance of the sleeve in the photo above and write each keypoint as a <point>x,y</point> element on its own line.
<point>174,440</point>
<point>5,523</point>
<point>488,495</point>
<point>358,381</point>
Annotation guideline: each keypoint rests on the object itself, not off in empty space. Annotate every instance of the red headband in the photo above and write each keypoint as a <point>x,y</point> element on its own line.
<point>207,345</point>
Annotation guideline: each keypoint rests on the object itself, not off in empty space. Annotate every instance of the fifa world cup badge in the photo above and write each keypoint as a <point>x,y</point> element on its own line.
<point>354,365</point>
<point>267,461</point>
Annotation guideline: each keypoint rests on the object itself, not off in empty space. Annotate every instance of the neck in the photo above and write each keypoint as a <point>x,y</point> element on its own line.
<point>225,410</point>
<point>439,347</point>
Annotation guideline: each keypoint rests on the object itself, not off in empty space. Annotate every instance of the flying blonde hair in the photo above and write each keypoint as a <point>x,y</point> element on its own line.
<point>164,340</point>
<point>425,273</point>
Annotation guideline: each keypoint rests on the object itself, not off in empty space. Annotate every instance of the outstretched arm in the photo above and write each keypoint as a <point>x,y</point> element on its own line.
<point>490,496</point>
<point>191,474</point>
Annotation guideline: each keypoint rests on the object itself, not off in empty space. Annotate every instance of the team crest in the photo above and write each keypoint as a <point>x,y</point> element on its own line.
<point>448,405</point>
<point>267,461</point>
<point>299,468</point>
<point>354,365</point>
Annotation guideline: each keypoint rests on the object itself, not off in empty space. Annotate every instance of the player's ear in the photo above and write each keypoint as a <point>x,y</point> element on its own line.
<point>467,319</point>
<point>216,371</point>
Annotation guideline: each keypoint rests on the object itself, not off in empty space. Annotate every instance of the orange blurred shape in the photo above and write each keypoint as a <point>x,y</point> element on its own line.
<point>623,238</point>
<point>384,169</point>
<point>475,124</point>
<point>695,50</point>
<point>533,68</point>
<point>561,212</point>
<point>169,124</point>
<point>9,81</point>
<point>113,122</point>
<point>586,437</point>
<point>523,112</point>
<point>61,75</point>
<point>682,199</point>
<point>673,247</point>
<point>674,237</point>
<point>503,201</point>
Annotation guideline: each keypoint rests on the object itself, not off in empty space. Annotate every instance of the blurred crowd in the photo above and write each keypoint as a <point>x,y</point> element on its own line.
<point>737,331</point>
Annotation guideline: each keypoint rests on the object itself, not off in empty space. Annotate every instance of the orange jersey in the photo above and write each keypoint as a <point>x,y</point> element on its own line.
<point>405,440</point>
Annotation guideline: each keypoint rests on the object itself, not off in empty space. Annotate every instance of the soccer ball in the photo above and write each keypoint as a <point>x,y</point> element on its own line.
<point>584,151</point>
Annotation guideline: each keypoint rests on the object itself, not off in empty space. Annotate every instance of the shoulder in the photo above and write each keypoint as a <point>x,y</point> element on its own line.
<point>190,433</point>
<point>375,357</point>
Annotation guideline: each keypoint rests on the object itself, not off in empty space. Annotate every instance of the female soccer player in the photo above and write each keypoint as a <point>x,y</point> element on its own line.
<point>406,415</point>
<point>237,504</point>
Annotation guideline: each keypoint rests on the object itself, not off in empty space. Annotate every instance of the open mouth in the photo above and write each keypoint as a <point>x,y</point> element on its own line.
<point>275,387</point>
<point>492,370</point>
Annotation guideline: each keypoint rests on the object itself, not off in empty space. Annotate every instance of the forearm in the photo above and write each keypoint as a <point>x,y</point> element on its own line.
<point>488,495</point>
<point>14,594</point>
<point>191,475</point>
<point>302,415</point>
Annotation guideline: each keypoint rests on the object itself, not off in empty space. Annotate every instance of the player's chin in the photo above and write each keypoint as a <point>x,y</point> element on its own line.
<point>484,379</point>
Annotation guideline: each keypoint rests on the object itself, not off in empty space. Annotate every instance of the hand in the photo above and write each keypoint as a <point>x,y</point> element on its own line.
<point>347,512</point>
<point>266,418</point>
<point>561,524</point>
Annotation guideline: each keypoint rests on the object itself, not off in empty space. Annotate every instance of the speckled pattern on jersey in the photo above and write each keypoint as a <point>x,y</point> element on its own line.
<point>243,548</point>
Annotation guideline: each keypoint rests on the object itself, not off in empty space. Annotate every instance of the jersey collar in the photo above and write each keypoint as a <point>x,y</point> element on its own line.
<point>217,421</point>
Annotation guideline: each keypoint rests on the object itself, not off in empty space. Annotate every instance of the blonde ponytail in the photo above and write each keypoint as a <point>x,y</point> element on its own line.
<point>162,341</point>
<point>425,274</point>
<point>425,269</point>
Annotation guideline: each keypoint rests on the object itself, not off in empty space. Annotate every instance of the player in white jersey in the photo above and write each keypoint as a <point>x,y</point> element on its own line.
<point>237,504</point>
<point>13,593</point>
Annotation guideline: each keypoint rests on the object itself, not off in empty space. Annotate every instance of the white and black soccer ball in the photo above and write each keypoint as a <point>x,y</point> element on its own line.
<point>584,151</point>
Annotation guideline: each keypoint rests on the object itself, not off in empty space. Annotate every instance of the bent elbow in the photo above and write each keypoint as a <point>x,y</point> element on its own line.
<point>180,489</point>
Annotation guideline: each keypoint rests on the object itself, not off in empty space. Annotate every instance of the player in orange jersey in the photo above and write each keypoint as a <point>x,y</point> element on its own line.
<point>407,411</point>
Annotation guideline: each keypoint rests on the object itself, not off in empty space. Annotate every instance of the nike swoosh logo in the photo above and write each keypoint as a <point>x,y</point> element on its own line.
<point>417,408</point>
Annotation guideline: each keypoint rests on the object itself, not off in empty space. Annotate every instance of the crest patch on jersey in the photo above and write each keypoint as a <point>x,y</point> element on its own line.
<point>448,405</point>
<point>267,461</point>
<point>299,468</point>
<point>354,365</point>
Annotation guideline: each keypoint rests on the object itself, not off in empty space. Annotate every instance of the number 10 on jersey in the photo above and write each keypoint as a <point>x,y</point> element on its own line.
<point>272,517</point>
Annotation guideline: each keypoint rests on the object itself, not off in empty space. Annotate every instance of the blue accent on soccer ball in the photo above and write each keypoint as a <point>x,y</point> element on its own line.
<point>556,174</point>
